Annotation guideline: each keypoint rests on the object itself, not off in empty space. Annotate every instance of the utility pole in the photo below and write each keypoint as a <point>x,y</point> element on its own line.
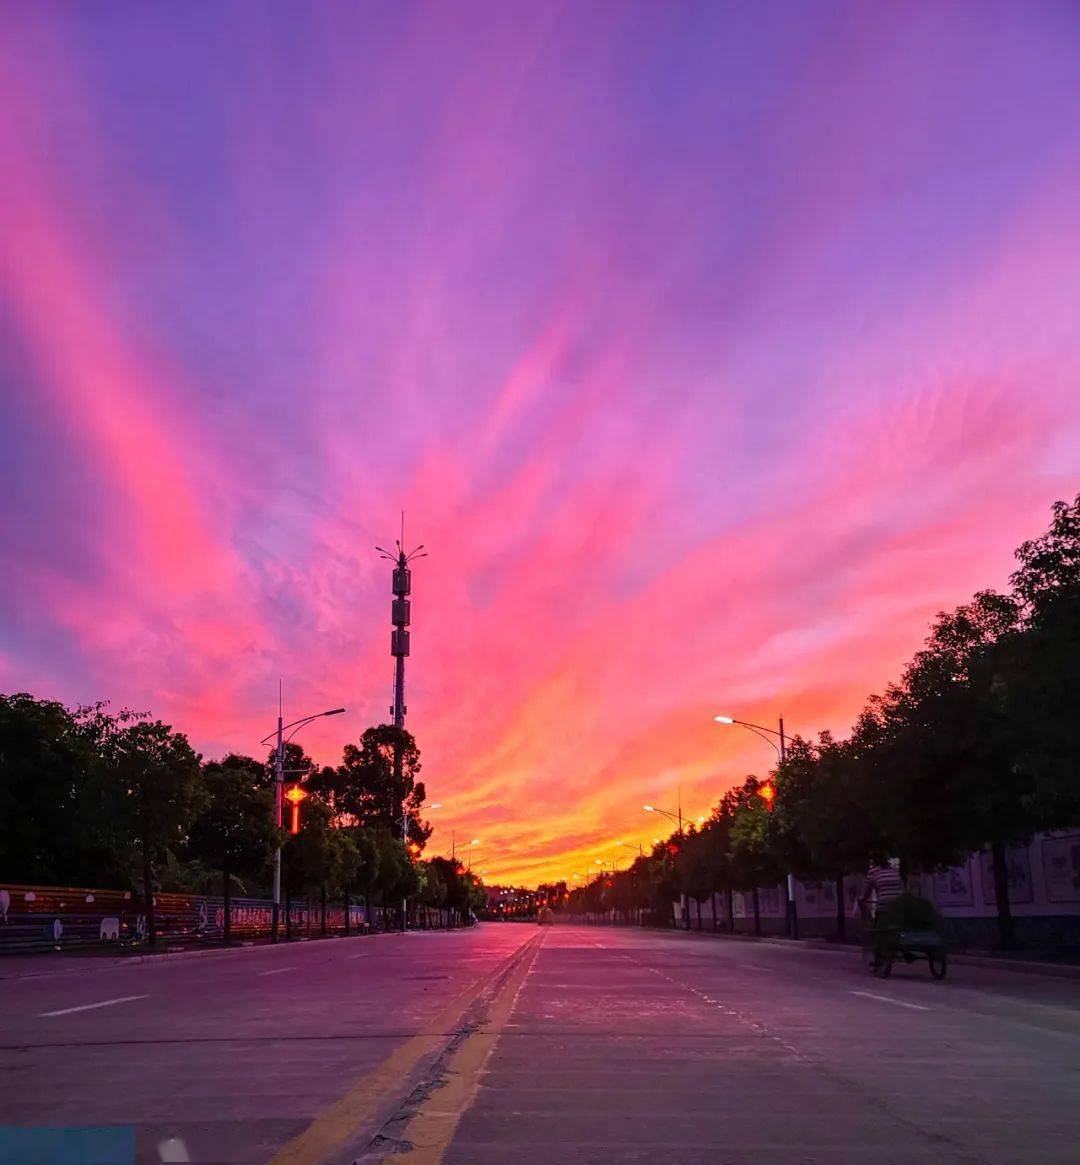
<point>781,751</point>
<point>684,904</point>
<point>400,617</point>
<point>792,905</point>
<point>279,789</point>
<point>279,779</point>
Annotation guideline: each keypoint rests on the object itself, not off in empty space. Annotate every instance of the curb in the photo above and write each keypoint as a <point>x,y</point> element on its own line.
<point>93,964</point>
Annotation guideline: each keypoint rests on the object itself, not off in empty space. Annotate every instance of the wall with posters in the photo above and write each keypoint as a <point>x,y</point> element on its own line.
<point>1044,891</point>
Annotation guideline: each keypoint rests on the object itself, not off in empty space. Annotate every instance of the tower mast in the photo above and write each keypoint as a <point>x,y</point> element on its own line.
<point>400,612</point>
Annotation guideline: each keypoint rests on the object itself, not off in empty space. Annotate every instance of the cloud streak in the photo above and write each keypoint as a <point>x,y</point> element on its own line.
<point>709,356</point>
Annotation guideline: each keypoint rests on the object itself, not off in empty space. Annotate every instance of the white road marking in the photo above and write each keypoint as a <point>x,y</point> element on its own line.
<point>90,1006</point>
<point>363,956</point>
<point>277,971</point>
<point>889,999</point>
<point>173,1151</point>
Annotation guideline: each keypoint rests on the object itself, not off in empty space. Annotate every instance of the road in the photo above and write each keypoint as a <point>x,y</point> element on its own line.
<point>515,1045</point>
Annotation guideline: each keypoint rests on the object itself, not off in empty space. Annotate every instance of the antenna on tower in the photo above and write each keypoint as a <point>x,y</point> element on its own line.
<point>400,615</point>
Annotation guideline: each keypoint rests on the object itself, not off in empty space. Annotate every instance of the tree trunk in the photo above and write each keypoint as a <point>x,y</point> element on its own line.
<point>348,910</point>
<point>757,913</point>
<point>730,896</point>
<point>226,927</point>
<point>698,901</point>
<point>288,915</point>
<point>715,925</point>
<point>841,912</point>
<point>1006,933</point>
<point>148,893</point>
<point>322,911</point>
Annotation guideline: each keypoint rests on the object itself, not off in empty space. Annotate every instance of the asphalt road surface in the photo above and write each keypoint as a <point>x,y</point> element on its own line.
<point>511,1044</point>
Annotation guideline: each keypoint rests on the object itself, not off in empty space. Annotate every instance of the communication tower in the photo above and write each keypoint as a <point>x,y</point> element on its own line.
<point>400,609</point>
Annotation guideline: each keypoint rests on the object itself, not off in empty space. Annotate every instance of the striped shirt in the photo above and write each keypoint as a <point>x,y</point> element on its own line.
<point>885,884</point>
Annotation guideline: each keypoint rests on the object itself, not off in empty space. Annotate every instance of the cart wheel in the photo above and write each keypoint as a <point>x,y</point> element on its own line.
<point>939,963</point>
<point>878,962</point>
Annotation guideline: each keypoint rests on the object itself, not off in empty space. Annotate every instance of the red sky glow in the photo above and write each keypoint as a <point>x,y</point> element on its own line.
<point>710,350</point>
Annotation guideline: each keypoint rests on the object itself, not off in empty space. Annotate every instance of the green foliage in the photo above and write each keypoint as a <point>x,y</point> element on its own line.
<point>822,825</point>
<point>373,782</point>
<point>233,835</point>
<point>975,745</point>
<point>311,858</point>
<point>58,828</point>
<point>464,891</point>
<point>909,912</point>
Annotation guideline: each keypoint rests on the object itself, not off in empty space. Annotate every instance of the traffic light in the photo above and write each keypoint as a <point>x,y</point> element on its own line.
<point>767,792</point>
<point>294,795</point>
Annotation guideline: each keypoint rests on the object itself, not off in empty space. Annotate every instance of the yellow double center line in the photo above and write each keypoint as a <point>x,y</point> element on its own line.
<point>431,1127</point>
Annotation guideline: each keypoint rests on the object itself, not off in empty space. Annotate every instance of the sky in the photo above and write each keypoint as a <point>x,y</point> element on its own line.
<point>710,349</point>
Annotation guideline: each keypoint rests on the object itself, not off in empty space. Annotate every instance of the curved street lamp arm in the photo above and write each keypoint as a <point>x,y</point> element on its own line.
<point>296,725</point>
<point>761,732</point>
<point>759,727</point>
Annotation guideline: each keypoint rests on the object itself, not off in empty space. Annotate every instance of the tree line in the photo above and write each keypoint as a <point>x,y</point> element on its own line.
<point>122,801</point>
<point>974,747</point>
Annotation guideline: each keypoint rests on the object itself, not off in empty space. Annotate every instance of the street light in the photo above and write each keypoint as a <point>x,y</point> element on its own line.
<point>684,904</point>
<point>636,848</point>
<point>409,849</point>
<point>676,818</point>
<point>279,779</point>
<point>767,734</point>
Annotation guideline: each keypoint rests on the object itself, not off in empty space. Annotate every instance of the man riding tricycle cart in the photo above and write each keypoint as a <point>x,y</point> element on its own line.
<point>904,925</point>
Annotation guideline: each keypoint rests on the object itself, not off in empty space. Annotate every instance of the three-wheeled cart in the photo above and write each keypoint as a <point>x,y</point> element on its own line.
<point>884,946</point>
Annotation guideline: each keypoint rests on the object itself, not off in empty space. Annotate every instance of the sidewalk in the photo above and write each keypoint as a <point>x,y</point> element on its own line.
<point>48,963</point>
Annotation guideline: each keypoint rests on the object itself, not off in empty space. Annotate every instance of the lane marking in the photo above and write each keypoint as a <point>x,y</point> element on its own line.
<point>430,1130</point>
<point>333,1127</point>
<point>365,955</point>
<point>277,971</point>
<point>889,999</point>
<point>91,1006</point>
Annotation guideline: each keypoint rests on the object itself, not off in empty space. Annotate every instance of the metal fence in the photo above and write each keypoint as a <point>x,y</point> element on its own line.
<point>38,918</point>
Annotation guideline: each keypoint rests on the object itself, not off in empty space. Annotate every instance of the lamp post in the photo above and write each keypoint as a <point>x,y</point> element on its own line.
<point>684,905</point>
<point>767,734</point>
<point>279,788</point>
<point>636,848</point>
<point>408,851</point>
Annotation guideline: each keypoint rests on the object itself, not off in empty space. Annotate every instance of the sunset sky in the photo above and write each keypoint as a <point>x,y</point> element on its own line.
<point>709,348</point>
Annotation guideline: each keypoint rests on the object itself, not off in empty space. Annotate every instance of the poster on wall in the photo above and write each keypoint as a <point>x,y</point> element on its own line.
<point>953,887</point>
<point>771,903</point>
<point>816,899</point>
<point>1018,866</point>
<point>1061,867</point>
<point>809,894</point>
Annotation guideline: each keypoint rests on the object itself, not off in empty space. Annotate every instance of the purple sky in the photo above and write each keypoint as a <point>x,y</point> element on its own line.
<point>710,348</point>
